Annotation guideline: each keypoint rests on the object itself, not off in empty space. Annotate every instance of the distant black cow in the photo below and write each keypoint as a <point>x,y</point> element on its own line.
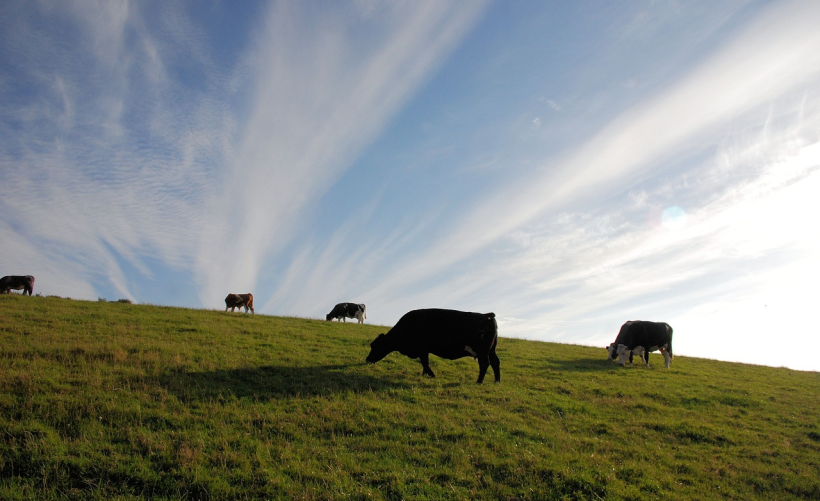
<point>17,282</point>
<point>448,334</point>
<point>640,337</point>
<point>347,310</point>
<point>238,301</point>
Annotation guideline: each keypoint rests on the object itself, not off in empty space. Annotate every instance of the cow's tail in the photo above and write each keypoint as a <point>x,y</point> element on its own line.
<point>669,347</point>
<point>491,318</point>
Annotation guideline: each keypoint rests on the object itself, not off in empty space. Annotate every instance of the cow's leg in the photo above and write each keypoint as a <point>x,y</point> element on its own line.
<point>483,363</point>
<point>424,358</point>
<point>496,364</point>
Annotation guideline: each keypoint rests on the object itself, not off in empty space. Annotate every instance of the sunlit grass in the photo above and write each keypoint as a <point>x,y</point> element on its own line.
<point>102,400</point>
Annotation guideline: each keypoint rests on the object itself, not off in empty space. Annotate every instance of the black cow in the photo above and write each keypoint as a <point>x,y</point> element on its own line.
<point>642,337</point>
<point>17,282</point>
<point>238,301</point>
<point>448,334</point>
<point>347,310</point>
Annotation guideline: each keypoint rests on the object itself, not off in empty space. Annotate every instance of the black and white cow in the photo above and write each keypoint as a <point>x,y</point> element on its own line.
<point>17,282</point>
<point>448,334</point>
<point>239,301</point>
<point>347,310</point>
<point>640,337</point>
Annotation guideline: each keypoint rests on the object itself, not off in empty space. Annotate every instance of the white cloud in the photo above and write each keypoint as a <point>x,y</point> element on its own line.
<point>751,246</point>
<point>321,95</point>
<point>772,57</point>
<point>88,171</point>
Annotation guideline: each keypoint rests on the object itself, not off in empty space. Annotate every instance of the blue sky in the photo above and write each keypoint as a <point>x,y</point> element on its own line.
<point>566,165</point>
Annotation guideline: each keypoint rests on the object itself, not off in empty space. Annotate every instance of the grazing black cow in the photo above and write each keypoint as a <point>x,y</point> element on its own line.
<point>238,301</point>
<point>640,337</point>
<point>448,334</point>
<point>347,310</point>
<point>17,282</point>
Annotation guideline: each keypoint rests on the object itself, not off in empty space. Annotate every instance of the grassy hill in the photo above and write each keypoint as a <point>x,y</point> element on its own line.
<point>112,400</point>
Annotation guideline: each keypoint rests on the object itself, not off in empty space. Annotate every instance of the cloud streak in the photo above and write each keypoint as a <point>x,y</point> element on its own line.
<point>93,166</point>
<point>326,89</point>
<point>772,57</point>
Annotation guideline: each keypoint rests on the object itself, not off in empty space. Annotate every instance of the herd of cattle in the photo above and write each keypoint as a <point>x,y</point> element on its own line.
<point>448,334</point>
<point>453,334</point>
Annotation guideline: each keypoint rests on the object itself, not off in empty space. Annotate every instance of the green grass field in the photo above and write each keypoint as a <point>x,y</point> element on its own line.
<point>120,401</point>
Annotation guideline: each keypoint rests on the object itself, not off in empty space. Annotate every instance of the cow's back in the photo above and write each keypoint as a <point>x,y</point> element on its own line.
<point>645,332</point>
<point>17,282</point>
<point>437,330</point>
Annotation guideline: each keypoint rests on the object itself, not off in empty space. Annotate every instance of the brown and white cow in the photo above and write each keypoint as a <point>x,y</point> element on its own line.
<point>239,301</point>
<point>17,282</point>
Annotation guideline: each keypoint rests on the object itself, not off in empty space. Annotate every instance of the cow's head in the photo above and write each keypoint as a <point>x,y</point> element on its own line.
<point>612,351</point>
<point>379,349</point>
<point>328,317</point>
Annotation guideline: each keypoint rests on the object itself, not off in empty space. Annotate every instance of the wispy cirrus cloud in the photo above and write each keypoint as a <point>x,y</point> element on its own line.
<point>774,56</point>
<point>327,84</point>
<point>130,140</point>
<point>94,165</point>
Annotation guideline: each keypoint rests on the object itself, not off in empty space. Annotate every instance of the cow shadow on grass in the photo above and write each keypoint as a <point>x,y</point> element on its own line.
<point>262,383</point>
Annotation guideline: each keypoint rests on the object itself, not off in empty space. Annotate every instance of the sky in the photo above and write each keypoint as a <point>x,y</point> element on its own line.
<point>567,165</point>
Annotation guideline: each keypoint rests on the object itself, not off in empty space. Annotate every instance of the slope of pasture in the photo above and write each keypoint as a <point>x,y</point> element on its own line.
<point>111,400</point>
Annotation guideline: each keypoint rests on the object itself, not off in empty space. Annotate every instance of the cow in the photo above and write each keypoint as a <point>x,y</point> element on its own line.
<point>238,301</point>
<point>17,282</point>
<point>347,310</point>
<point>448,334</point>
<point>640,337</point>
